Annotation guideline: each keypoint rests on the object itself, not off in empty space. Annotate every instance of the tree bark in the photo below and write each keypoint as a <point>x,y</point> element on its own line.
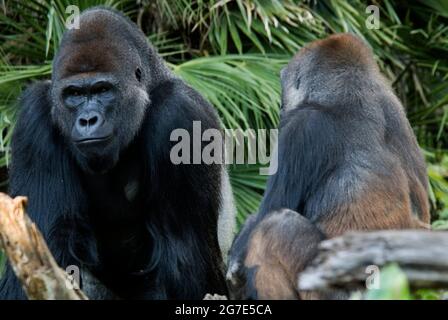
<point>29,256</point>
<point>341,262</point>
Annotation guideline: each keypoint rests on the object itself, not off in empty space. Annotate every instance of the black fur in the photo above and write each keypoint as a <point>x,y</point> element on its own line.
<point>161,244</point>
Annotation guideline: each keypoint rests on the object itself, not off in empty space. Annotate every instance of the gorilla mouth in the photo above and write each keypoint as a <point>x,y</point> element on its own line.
<point>96,154</point>
<point>92,140</point>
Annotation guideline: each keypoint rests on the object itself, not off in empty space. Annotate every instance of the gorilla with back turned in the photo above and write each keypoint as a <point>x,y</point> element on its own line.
<point>91,151</point>
<point>347,160</point>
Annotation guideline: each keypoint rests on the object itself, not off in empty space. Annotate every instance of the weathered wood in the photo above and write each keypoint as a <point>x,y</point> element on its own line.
<point>342,261</point>
<point>32,262</point>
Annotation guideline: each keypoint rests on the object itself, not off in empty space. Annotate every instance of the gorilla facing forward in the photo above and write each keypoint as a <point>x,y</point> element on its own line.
<point>91,151</point>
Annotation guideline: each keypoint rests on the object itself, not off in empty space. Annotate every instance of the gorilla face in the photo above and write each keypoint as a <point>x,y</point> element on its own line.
<point>99,94</point>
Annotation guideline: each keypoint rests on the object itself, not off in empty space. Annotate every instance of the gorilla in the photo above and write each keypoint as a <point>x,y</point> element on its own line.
<point>91,151</point>
<point>347,160</point>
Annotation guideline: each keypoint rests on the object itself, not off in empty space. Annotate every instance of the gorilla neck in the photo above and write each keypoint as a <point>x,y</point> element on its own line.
<point>99,166</point>
<point>115,193</point>
<point>95,164</point>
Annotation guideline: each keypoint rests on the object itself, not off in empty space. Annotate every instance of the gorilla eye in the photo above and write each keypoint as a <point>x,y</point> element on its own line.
<point>72,91</point>
<point>138,74</point>
<point>101,87</point>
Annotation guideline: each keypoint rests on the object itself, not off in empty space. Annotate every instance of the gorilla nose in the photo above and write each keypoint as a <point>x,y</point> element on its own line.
<point>88,121</point>
<point>90,126</point>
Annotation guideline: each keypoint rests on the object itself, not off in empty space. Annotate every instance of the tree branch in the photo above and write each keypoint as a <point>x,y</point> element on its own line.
<point>342,261</point>
<point>31,260</point>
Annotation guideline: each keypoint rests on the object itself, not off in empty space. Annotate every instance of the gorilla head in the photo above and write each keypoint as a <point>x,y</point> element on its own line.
<point>100,87</point>
<point>339,66</point>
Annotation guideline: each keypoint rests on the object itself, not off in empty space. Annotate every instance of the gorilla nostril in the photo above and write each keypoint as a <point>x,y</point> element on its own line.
<point>92,121</point>
<point>83,122</point>
<point>90,126</point>
<point>88,121</point>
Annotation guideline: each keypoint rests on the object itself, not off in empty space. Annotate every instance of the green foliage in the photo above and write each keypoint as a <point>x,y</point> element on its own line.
<point>425,294</point>
<point>239,86</point>
<point>2,263</point>
<point>393,285</point>
<point>438,173</point>
<point>232,50</point>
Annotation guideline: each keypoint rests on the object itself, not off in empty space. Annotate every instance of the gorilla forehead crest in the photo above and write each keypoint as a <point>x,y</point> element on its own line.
<point>339,50</point>
<point>97,46</point>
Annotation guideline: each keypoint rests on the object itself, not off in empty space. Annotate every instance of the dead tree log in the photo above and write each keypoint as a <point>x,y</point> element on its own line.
<point>342,262</point>
<point>31,260</point>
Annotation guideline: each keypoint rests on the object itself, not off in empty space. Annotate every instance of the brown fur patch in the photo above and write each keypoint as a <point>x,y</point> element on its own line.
<point>95,47</point>
<point>280,247</point>
<point>340,49</point>
<point>383,204</point>
<point>88,57</point>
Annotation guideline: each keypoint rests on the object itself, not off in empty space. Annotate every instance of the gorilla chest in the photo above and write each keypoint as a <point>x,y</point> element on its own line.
<point>115,201</point>
<point>116,209</point>
<point>116,196</point>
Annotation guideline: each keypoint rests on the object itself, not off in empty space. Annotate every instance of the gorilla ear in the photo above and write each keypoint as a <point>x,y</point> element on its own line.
<point>138,74</point>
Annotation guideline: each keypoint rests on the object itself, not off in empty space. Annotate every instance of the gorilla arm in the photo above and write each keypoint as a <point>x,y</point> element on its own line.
<point>184,215</point>
<point>42,171</point>
<point>281,246</point>
<point>276,244</point>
